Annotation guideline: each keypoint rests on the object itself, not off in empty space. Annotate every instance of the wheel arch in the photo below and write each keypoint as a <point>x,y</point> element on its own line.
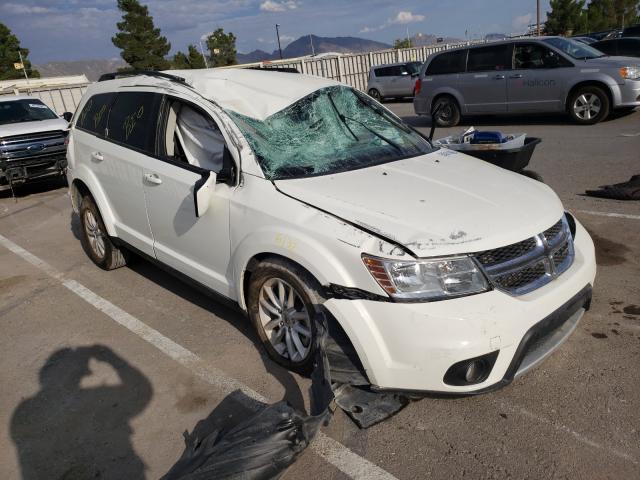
<point>447,93</point>
<point>589,83</point>
<point>88,185</point>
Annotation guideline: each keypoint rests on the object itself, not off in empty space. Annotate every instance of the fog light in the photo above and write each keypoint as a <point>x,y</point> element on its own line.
<point>471,371</point>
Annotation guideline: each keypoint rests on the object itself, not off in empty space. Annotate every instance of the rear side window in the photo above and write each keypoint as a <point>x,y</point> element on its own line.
<point>132,120</point>
<point>450,62</point>
<point>93,117</point>
<point>394,71</point>
<point>608,47</point>
<point>497,57</point>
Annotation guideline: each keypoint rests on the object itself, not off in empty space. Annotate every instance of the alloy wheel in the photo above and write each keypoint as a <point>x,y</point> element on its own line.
<point>285,319</point>
<point>587,106</point>
<point>94,234</point>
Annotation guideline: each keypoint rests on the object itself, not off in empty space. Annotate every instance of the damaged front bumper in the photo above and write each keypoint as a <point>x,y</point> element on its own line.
<point>414,346</point>
<point>14,172</point>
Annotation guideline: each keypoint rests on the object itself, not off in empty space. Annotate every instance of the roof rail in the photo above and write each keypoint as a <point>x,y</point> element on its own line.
<point>135,73</point>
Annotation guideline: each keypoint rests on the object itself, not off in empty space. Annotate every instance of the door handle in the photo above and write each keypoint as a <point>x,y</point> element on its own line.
<point>152,178</point>
<point>517,75</point>
<point>97,156</point>
<point>499,77</point>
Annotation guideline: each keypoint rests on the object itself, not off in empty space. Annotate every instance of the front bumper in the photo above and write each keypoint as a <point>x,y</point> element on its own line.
<point>24,169</point>
<point>411,346</point>
<point>628,94</point>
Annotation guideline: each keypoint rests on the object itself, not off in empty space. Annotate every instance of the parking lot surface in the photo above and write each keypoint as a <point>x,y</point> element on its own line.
<point>103,371</point>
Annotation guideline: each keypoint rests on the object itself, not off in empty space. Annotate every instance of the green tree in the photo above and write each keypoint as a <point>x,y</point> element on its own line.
<point>222,48</point>
<point>143,48</point>
<point>565,17</point>
<point>608,14</point>
<point>9,48</point>
<point>402,43</point>
<point>193,59</point>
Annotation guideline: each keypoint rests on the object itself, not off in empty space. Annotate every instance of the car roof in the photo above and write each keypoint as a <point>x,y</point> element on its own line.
<point>253,93</point>
<point>395,64</point>
<point>9,98</point>
<point>498,42</point>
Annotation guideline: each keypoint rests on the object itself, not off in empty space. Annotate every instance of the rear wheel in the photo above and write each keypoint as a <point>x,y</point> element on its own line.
<point>282,301</point>
<point>448,112</point>
<point>589,105</point>
<point>375,94</point>
<point>95,240</point>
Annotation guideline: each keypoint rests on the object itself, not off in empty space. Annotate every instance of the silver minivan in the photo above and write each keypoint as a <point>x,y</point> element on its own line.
<point>393,80</point>
<point>528,75</point>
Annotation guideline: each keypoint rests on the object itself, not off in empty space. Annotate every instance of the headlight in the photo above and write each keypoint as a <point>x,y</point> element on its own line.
<point>631,72</point>
<point>433,279</point>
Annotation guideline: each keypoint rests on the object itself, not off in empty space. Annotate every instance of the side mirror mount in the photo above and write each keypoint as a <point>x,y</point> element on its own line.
<point>67,116</point>
<point>203,192</point>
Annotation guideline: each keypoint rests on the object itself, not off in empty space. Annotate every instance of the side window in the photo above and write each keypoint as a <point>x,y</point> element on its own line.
<point>607,47</point>
<point>531,56</point>
<point>450,62</point>
<point>132,120</point>
<point>395,71</point>
<point>628,47</point>
<point>383,72</point>
<point>483,59</point>
<point>93,116</point>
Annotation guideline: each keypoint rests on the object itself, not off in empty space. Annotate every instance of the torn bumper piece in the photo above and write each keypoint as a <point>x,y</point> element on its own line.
<point>19,171</point>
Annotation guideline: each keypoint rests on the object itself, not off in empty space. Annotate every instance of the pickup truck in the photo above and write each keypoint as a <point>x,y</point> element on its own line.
<point>32,141</point>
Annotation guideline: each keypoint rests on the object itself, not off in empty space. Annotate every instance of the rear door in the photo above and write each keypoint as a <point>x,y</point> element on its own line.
<point>484,85</point>
<point>404,81</point>
<point>536,83</point>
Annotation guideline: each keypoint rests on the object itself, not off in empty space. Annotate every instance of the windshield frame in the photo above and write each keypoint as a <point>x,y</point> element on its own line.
<point>396,122</point>
<point>554,41</point>
<point>41,106</point>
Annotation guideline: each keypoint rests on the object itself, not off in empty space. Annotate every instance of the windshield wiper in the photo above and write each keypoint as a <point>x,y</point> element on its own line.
<point>379,135</point>
<point>342,117</point>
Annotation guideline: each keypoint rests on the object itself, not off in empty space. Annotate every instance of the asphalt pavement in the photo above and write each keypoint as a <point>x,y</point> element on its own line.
<point>103,371</point>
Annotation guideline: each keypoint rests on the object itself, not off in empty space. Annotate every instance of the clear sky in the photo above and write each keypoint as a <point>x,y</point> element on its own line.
<point>82,29</point>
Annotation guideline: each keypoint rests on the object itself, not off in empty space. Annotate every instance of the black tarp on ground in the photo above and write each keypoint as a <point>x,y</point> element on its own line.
<point>629,190</point>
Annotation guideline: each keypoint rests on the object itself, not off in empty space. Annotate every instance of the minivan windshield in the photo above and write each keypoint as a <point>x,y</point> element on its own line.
<point>333,130</point>
<point>24,110</point>
<point>574,48</point>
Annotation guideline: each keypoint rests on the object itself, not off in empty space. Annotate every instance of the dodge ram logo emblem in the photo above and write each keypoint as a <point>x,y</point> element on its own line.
<point>36,147</point>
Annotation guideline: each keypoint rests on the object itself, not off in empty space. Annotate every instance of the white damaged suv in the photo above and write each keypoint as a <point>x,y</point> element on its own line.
<point>287,194</point>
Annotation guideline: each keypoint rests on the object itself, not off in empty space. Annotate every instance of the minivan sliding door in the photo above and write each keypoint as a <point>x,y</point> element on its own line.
<point>484,85</point>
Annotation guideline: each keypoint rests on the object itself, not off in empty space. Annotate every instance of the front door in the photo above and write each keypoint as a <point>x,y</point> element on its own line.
<point>484,85</point>
<point>536,82</point>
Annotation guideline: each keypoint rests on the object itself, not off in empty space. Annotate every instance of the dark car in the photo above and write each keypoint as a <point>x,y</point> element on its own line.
<point>632,31</point>
<point>619,47</point>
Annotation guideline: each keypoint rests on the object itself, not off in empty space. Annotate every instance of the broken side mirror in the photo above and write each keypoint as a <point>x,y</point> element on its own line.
<point>67,116</point>
<point>203,192</point>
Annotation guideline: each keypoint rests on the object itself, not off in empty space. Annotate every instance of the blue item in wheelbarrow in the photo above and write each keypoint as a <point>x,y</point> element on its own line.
<point>488,137</point>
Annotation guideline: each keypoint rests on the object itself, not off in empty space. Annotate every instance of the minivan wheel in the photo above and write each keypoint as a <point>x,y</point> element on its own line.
<point>282,301</point>
<point>589,105</point>
<point>375,94</point>
<point>448,114</point>
<point>95,240</point>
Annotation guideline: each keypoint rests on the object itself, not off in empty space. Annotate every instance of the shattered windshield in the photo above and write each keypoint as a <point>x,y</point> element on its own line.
<point>24,110</point>
<point>334,129</point>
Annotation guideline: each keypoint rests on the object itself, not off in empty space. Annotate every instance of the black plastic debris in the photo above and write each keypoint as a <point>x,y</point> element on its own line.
<point>629,190</point>
<point>262,445</point>
<point>365,407</point>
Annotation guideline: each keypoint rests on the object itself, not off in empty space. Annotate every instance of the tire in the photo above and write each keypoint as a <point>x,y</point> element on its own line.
<point>375,94</point>
<point>449,114</point>
<point>296,354</point>
<point>95,240</point>
<point>589,105</point>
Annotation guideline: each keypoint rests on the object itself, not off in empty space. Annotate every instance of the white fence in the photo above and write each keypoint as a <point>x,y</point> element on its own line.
<point>59,98</point>
<point>353,69</point>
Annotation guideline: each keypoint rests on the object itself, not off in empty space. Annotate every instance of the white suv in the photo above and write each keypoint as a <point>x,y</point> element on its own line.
<point>287,194</point>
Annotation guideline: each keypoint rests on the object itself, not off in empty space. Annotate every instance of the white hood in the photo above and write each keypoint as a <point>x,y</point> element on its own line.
<point>442,203</point>
<point>24,128</point>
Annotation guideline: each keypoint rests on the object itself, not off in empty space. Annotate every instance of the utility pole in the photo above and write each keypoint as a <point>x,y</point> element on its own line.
<point>538,16</point>
<point>24,68</point>
<point>278,35</point>
<point>204,57</point>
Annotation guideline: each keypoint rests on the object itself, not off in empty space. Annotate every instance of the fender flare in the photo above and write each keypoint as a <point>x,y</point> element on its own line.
<point>84,176</point>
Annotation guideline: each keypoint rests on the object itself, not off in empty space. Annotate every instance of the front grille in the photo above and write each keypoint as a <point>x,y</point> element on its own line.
<point>524,266</point>
<point>33,145</point>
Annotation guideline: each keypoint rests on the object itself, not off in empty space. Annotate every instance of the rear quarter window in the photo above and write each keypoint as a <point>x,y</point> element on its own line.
<point>133,120</point>
<point>93,117</point>
<point>450,62</point>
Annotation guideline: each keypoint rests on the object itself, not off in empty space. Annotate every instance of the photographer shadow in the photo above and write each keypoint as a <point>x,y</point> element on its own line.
<point>67,431</point>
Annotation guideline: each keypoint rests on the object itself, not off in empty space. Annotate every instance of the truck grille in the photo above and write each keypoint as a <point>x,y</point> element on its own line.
<point>33,145</point>
<point>527,265</point>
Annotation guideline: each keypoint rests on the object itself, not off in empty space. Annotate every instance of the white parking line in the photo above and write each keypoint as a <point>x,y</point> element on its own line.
<point>610,214</point>
<point>331,450</point>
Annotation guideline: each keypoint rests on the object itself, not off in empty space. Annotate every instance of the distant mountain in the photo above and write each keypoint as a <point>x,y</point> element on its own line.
<point>91,68</point>
<point>302,47</point>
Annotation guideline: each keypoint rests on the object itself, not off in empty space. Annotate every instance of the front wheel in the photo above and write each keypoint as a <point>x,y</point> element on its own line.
<point>446,112</point>
<point>282,302</point>
<point>589,105</point>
